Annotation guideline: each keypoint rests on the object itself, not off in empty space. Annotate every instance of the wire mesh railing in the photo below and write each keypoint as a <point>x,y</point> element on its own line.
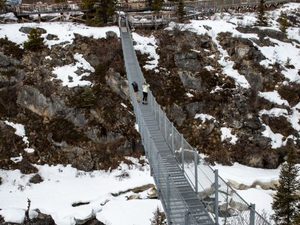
<point>223,203</point>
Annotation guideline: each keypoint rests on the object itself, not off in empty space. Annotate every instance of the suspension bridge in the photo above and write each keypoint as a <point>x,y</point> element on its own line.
<point>191,192</point>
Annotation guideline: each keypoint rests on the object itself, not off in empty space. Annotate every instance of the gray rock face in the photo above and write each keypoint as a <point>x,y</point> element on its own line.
<point>6,61</point>
<point>187,61</point>
<point>118,84</point>
<point>27,30</point>
<point>194,107</point>
<point>79,158</point>
<point>189,80</point>
<point>32,99</point>
<point>177,114</point>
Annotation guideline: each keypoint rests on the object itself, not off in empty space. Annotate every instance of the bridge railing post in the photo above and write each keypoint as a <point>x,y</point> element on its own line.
<point>216,203</point>
<point>196,170</point>
<point>173,150</point>
<point>252,214</point>
<point>182,153</point>
<point>166,130</point>
<point>168,198</point>
<point>186,217</point>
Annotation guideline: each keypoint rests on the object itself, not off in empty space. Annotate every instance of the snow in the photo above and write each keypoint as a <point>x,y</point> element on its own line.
<point>204,117</point>
<point>218,26</point>
<point>227,135</point>
<point>147,45</point>
<point>276,138</point>
<point>273,96</point>
<point>8,16</point>
<point>20,131</point>
<point>209,68</point>
<point>281,53</point>
<point>78,186</point>
<point>64,30</point>
<point>246,175</point>
<point>123,105</point>
<point>67,74</point>
<point>16,159</point>
<point>274,112</point>
<point>137,210</point>
<point>255,196</point>
<point>189,95</point>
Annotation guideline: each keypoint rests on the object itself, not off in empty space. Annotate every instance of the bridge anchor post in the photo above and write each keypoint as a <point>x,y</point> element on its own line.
<point>252,214</point>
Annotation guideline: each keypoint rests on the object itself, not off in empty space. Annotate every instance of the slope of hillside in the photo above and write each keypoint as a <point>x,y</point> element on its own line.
<point>67,126</point>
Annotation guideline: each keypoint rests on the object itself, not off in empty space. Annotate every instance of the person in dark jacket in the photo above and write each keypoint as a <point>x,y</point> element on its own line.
<point>136,91</point>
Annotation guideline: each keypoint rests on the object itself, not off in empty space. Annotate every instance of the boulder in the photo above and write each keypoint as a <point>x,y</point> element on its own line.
<point>27,30</point>
<point>51,37</point>
<point>111,34</point>
<point>36,179</point>
<point>79,158</point>
<point>26,167</point>
<point>42,219</point>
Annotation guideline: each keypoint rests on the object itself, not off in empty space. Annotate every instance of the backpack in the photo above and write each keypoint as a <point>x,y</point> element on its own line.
<point>135,86</point>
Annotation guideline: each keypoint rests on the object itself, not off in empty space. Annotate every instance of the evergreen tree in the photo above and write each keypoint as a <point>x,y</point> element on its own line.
<point>286,199</point>
<point>88,4</point>
<point>105,10</point>
<point>2,4</point>
<point>180,11</point>
<point>283,21</point>
<point>156,6</point>
<point>35,41</point>
<point>159,218</point>
<point>262,19</point>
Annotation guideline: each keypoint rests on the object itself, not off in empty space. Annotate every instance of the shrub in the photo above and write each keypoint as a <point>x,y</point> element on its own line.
<point>35,41</point>
<point>11,49</point>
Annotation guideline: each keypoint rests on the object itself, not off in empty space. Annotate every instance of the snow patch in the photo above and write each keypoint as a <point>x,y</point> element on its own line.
<point>227,135</point>
<point>204,117</point>
<point>273,96</point>
<point>147,45</point>
<point>67,74</point>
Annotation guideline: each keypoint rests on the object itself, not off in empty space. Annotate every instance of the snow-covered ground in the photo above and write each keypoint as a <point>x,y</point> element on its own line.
<point>64,186</point>
<point>64,30</point>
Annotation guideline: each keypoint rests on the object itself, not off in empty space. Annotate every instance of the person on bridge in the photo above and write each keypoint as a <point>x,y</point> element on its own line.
<point>136,91</point>
<point>145,92</point>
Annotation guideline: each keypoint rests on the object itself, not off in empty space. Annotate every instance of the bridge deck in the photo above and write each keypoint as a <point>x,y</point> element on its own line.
<point>185,199</point>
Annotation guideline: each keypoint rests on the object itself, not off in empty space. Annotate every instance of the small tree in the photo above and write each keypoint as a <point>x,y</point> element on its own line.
<point>156,6</point>
<point>180,11</point>
<point>2,4</point>
<point>283,21</point>
<point>286,199</point>
<point>105,9</point>
<point>159,218</point>
<point>262,18</point>
<point>35,41</point>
